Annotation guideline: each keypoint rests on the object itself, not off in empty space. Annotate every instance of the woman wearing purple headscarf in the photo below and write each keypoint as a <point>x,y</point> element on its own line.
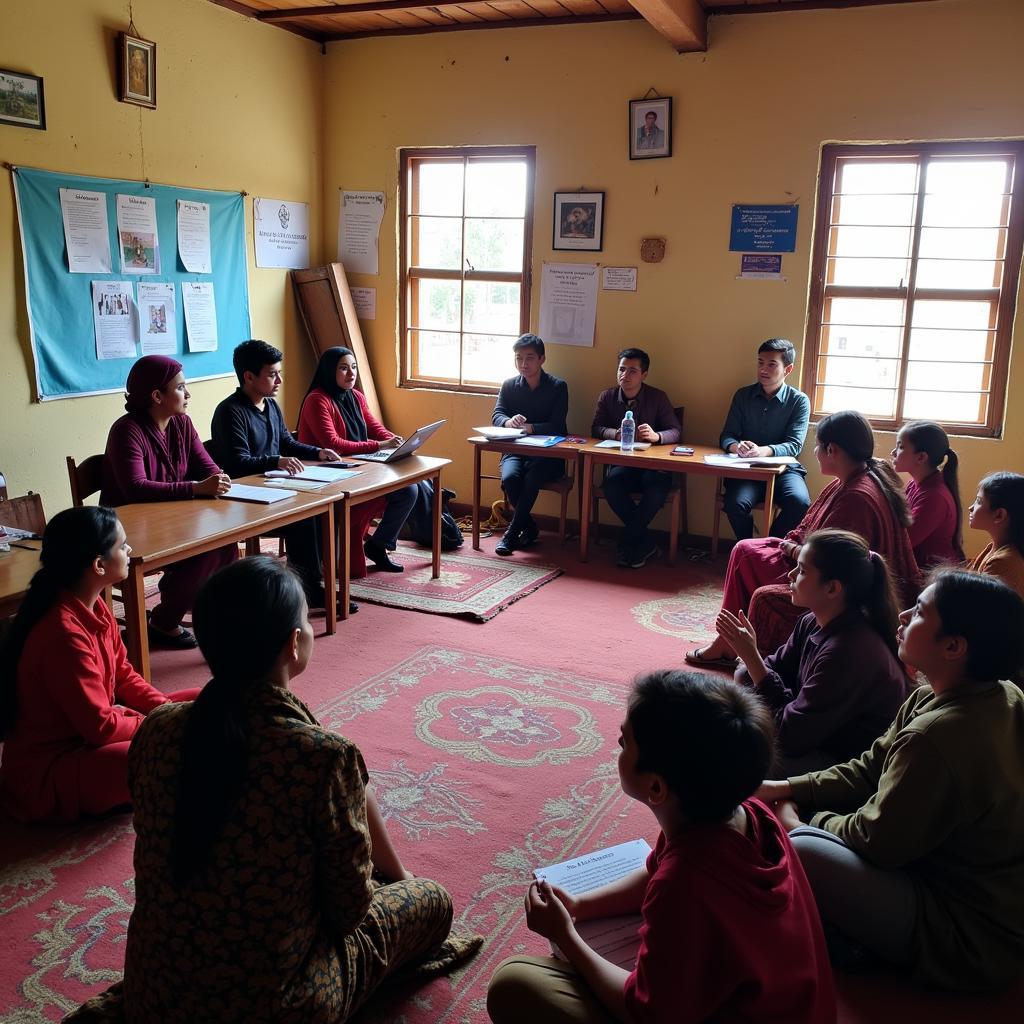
<point>154,454</point>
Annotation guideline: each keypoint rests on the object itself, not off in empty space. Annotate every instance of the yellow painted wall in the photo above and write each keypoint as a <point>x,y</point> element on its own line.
<point>751,115</point>
<point>239,108</point>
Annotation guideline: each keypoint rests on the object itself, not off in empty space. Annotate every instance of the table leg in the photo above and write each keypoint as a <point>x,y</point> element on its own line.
<point>587,495</point>
<point>476,497</point>
<point>769,503</point>
<point>344,576</point>
<point>133,593</point>
<point>330,561</point>
<point>436,525</point>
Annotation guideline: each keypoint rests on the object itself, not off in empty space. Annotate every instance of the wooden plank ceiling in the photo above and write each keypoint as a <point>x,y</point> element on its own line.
<point>683,23</point>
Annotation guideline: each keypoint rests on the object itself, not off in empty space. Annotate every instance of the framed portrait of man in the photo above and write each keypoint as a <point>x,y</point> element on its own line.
<point>578,222</point>
<point>650,128</point>
<point>138,71</point>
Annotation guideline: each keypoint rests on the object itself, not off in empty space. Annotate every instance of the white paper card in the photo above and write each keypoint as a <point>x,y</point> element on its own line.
<point>194,236</point>
<point>359,217</point>
<point>568,303</point>
<point>259,495</point>
<point>86,231</point>
<point>282,233</point>
<point>365,301</point>
<point>200,307</point>
<point>113,314</point>
<point>158,322</point>
<point>315,474</point>
<point>618,279</point>
<point>137,238</point>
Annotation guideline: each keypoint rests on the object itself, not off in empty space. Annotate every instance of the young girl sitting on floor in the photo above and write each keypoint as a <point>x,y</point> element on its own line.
<point>729,928</point>
<point>916,850</point>
<point>836,684</point>
<point>999,511</point>
<point>933,493</point>
<point>70,702</point>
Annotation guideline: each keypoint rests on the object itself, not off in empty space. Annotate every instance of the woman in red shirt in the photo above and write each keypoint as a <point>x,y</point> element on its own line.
<point>70,702</point>
<point>335,415</point>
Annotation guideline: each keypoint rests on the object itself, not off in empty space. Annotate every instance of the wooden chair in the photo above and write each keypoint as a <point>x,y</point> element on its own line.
<point>676,500</point>
<point>24,512</point>
<point>85,479</point>
<point>561,486</point>
<point>720,507</point>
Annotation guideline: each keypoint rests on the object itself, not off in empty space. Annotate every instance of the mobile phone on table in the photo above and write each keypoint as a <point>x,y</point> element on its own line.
<point>681,449</point>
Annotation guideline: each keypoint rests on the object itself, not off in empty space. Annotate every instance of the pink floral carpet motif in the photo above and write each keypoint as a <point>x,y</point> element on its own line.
<point>471,585</point>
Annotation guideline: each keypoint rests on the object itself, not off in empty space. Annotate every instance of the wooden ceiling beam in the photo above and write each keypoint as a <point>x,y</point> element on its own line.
<point>375,7</point>
<point>465,26</point>
<point>684,23</point>
<point>248,12</point>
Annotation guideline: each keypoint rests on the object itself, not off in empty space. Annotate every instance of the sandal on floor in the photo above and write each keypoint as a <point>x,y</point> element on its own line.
<point>697,659</point>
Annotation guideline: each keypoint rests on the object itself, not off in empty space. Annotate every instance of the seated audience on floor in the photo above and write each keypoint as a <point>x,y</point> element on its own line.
<point>256,837</point>
<point>70,702</point>
<point>767,419</point>
<point>998,509</point>
<point>836,683</point>
<point>933,493</point>
<point>730,930</point>
<point>334,414</point>
<point>866,498</point>
<point>656,423</point>
<point>536,402</point>
<point>250,436</point>
<point>915,849</point>
<point>154,454</point>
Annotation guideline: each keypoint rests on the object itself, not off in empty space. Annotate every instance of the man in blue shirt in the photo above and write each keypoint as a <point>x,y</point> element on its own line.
<point>765,419</point>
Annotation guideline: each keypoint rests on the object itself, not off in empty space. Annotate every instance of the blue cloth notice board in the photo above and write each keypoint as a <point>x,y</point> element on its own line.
<point>60,303</point>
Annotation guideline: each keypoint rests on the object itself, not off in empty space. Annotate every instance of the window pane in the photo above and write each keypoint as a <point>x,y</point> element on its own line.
<point>972,316</point>
<point>872,241</point>
<point>438,304</point>
<point>971,346</point>
<point>495,188</point>
<point>874,210</point>
<point>859,371</point>
<point>846,340</point>
<point>947,376</point>
<point>874,273</point>
<point>966,177</point>
<point>436,354</point>
<point>440,188</point>
<point>872,312</point>
<point>494,244</point>
<point>958,274</point>
<point>870,402</point>
<point>437,242</point>
<point>963,243</point>
<point>886,177</point>
<point>972,210</point>
<point>946,408</point>
<point>491,307</point>
<point>488,358</point>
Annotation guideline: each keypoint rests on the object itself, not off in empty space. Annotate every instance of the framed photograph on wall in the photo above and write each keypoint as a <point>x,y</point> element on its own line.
<point>21,100</point>
<point>650,128</point>
<point>578,221</point>
<point>138,70</point>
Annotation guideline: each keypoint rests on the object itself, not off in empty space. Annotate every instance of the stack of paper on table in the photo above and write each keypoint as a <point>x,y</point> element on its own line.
<point>540,440</point>
<point>735,462</point>
<point>615,938</point>
<point>638,445</point>
<point>315,474</point>
<point>259,495</point>
<point>500,433</point>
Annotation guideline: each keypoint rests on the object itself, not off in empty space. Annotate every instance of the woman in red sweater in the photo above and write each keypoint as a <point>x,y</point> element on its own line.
<point>70,702</point>
<point>335,415</point>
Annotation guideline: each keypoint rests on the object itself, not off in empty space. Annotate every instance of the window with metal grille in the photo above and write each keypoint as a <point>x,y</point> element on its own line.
<point>466,217</point>
<point>914,281</point>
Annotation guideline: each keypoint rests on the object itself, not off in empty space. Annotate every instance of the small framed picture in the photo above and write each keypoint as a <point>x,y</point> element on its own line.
<point>578,221</point>
<point>650,128</point>
<point>138,71</point>
<point>21,100</point>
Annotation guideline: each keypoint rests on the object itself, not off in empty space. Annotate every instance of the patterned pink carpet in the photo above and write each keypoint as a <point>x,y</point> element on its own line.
<point>492,750</point>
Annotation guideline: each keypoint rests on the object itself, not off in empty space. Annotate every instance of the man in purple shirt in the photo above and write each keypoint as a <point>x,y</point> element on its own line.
<point>656,423</point>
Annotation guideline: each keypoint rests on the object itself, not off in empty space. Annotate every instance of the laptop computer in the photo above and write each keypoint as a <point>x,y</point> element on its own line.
<point>407,447</point>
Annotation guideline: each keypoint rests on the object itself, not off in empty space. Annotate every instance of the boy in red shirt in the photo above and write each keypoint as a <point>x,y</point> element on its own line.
<point>730,929</point>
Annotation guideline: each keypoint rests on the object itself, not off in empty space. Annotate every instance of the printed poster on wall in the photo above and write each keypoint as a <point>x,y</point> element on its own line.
<point>158,322</point>
<point>137,238</point>
<point>200,308</point>
<point>568,303</point>
<point>86,232</point>
<point>194,237</point>
<point>281,230</point>
<point>763,228</point>
<point>359,217</point>
<point>113,315</point>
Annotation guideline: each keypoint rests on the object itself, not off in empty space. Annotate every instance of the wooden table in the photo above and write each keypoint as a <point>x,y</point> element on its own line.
<point>567,450</point>
<point>17,567</point>
<point>163,532</point>
<point>657,457</point>
<point>376,481</point>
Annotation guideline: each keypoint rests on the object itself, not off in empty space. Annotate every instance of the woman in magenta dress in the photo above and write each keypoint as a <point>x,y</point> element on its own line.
<point>865,497</point>
<point>70,702</point>
<point>154,454</point>
<point>933,493</point>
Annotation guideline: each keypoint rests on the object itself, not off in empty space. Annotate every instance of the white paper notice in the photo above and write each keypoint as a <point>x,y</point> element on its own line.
<point>86,232</point>
<point>365,301</point>
<point>568,303</point>
<point>194,236</point>
<point>619,279</point>
<point>137,236</point>
<point>359,217</point>
<point>200,315</point>
<point>282,233</point>
<point>158,324</point>
<point>113,313</point>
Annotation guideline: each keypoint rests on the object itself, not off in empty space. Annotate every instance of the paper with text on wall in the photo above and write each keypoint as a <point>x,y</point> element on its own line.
<point>86,231</point>
<point>158,321</point>
<point>137,240</point>
<point>617,939</point>
<point>200,307</point>
<point>113,315</point>
<point>359,217</point>
<point>194,236</point>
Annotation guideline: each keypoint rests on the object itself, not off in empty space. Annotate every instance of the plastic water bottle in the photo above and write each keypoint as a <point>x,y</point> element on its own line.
<point>628,432</point>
